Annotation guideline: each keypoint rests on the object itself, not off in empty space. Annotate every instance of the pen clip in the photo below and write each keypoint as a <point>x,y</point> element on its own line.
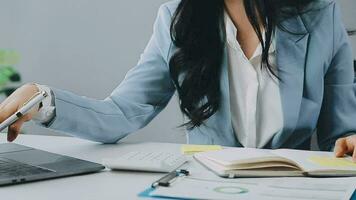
<point>166,180</point>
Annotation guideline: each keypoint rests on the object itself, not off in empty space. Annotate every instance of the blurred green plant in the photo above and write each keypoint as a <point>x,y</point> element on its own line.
<point>9,76</point>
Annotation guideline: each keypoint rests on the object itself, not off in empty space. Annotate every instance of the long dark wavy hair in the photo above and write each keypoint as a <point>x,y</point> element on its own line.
<point>197,30</point>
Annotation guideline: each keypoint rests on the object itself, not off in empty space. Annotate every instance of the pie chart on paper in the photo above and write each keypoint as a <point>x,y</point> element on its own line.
<point>233,190</point>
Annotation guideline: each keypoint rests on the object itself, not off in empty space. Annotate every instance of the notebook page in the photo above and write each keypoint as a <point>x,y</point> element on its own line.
<point>317,160</point>
<point>232,156</point>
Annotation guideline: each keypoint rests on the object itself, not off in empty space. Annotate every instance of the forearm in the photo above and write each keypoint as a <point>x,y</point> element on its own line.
<point>96,120</point>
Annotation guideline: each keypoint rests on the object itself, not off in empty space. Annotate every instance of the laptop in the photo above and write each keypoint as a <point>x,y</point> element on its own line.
<point>20,164</point>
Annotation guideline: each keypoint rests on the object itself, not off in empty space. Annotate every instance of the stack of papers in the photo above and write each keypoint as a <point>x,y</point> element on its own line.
<point>264,189</point>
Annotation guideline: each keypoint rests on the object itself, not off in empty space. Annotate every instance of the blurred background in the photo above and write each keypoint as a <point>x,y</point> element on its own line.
<point>87,46</point>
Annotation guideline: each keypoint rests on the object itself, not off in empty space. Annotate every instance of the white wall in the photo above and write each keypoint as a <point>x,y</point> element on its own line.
<point>87,46</point>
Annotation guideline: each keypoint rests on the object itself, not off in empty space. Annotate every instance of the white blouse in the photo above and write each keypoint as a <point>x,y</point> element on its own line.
<point>255,102</point>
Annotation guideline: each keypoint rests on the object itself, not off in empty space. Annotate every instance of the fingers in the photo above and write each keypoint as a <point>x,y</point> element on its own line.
<point>341,147</point>
<point>14,102</point>
<point>351,144</point>
<point>346,145</point>
<point>15,128</point>
<point>7,109</point>
<point>4,113</point>
<point>354,155</point>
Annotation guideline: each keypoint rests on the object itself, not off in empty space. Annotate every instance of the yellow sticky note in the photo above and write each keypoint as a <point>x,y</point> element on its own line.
<point>326,161</point>
<point>188,149</point>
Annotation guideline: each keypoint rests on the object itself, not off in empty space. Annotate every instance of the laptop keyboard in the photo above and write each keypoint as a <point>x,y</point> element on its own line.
<point>11,169</point>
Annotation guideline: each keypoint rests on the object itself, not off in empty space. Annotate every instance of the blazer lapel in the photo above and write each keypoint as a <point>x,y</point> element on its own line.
<point>291,51</point>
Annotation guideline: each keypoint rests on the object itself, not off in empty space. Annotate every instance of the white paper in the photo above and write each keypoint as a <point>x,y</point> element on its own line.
<point>262,189</point>
<point>232,156</point>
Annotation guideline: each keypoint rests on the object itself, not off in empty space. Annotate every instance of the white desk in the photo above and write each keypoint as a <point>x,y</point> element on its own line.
<point>104,185</point>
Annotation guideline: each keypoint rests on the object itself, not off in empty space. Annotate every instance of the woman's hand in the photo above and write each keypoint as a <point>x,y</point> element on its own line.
<point>346,145</point>
<point>14,102</point>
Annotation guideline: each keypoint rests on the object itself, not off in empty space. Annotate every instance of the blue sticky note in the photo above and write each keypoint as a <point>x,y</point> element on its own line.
<point>147,194</point>
<point>353,196</point>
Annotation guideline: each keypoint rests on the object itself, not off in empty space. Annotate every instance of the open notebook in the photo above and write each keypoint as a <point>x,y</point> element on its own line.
<point>248,162</point>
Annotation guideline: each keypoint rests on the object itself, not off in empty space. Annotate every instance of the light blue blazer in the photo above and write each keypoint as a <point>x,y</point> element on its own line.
<point>317,93</point>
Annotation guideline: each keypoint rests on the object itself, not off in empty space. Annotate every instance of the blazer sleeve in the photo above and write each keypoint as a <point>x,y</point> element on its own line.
<point>145,91</point>
<point>338,113</point>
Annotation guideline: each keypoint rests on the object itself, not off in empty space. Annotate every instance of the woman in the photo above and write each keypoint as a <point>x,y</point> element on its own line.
<point>253,73</point>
